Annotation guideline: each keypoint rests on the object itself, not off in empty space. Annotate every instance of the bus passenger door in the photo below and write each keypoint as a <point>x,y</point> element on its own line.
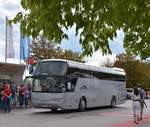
<point>71,96</point>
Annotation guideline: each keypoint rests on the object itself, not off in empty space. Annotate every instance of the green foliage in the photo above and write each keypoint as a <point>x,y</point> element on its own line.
<point>98,19</point>
<point>137,72</point>
<point>43,49</point>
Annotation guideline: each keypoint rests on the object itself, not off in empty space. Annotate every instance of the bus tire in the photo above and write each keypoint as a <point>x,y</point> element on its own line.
<point>82,104</point>
<point>113,102</point>
<point>53,109</point>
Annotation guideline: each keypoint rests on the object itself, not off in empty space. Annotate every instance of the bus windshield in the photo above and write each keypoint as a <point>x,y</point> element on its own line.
<point>49,84</point>
<point>56,68</point>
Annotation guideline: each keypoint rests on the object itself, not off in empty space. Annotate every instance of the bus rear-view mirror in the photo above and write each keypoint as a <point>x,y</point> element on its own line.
<point>69,85</point>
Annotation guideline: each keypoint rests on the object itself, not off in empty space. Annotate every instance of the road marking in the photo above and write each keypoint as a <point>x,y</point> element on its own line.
<point>124,124</point>
<point>130,123</point>
<point>116,114</point>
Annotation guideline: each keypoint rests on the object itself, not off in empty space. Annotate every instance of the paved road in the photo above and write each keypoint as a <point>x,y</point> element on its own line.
<point>100,117</point>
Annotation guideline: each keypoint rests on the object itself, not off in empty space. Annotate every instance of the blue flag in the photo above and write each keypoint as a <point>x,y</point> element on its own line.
<point>24,47</point>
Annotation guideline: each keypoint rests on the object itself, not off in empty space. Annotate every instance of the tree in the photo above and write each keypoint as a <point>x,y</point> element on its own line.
<point>108,63</point>
<point>42,48</point>
<point>121,60</point>
<point>137,72</point>
<point>98,21</point>
<point>75,56</point>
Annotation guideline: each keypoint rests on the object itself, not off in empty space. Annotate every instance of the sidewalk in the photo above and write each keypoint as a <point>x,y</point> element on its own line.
<point>143,123</point>
<point>130,123</point>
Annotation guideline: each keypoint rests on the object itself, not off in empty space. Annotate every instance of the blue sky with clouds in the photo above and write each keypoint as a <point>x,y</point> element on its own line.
<point>11,7</point>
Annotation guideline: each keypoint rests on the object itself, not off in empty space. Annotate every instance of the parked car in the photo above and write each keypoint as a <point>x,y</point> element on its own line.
<point>129,92</point>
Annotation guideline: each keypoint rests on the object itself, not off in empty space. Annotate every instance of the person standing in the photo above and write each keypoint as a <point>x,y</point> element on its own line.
<point>4,101</point>
<point>30,94</point>
<point>21,95</point>
<point>6,95</point>
<point>142,101</point>
<point>136,105</point>
<point>26,96</point>
<point>14,93</point>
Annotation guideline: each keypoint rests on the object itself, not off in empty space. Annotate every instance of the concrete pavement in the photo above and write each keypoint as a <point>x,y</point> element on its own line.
<point>121,116</point>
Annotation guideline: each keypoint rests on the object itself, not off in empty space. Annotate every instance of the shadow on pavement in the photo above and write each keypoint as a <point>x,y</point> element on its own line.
<point>89,110</point>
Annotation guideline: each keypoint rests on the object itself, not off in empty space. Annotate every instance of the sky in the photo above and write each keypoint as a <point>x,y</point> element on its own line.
<point>10,8</point>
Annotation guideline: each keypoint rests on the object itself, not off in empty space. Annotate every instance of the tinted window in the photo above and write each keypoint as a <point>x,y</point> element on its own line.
<point>109,76</point>
<point>90,74</point>
<point>76,72</point>
<point>51,68</point>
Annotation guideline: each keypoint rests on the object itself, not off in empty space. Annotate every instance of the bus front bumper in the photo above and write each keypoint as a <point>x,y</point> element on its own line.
<point>49,105</point>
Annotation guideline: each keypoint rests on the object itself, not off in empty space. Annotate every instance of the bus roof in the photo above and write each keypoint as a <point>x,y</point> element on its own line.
<point>79,65</point>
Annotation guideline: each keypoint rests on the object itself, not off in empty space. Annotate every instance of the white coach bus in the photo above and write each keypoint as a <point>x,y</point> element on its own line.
<point>65,84</point>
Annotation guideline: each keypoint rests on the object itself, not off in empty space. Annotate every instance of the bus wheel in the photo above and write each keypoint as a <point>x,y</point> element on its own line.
<point>113,102</point>
<point>82,104</point>
<point>54,109</point>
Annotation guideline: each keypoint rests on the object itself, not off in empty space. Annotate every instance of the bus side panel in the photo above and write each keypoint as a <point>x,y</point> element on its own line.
<point>100,93</point>
<point>105,90</point>
<point>121,92</point>
<point>87,88</point>
<point>97,93</point>
<point>84,88</point>
<point>111,88</point>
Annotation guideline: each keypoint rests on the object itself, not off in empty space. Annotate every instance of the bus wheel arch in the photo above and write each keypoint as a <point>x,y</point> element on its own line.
<point>53,109</point>
<point>113,101</point>
<point>82,104</point>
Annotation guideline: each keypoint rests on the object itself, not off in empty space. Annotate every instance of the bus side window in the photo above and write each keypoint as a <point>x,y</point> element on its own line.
<point>74,81</point>
<point>72,85</point>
